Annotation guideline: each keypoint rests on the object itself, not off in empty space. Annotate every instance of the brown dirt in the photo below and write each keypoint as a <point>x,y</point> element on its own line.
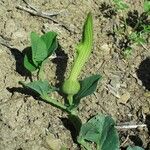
<point>26,123</point>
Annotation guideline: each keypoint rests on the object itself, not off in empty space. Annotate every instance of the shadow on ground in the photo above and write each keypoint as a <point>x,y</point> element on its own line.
<point>19,57</point>
<point>143,73</point>
<point>61,65</point>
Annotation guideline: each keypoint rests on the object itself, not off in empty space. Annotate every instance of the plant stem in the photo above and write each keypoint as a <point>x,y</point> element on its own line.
<point>41,73</point>
<point>85,145</point>
<point>54,102</point>
<point>70,99</point>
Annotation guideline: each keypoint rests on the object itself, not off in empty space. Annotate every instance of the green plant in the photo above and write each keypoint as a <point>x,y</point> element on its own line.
<point>120,5</point>
<point>75,89</point>
<point>71,86</point>
<point>41,48</point>
<point>44,46</point>
<point>99,132</point>
<point>133,28</point>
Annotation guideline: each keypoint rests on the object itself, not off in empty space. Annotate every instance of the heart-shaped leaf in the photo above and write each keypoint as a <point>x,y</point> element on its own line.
<point>100,129</point>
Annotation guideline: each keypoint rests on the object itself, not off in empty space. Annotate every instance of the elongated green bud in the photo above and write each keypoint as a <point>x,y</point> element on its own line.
<point>72,86</point>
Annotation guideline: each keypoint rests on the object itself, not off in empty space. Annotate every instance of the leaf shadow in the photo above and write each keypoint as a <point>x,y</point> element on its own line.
<point>143,73</point>
<point>19,58</point>
<point>136,20</point>
<point>136,140</point>
<point>147,121</point>
<point>23,91</point>
<point>61,65</point>
<point>107,10</point>
<point>69,126</point>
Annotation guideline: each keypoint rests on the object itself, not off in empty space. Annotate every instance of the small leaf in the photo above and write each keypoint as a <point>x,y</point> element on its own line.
<point>39,49</point>
<point>135,148</point>
<point>88,86</point>
<point>147,6</point>
<point>28,64</point>
<point>100,129</point>
<point>127,52</point>
<point>120,5</point>
<point>41,87</point>
<point>51,42</point>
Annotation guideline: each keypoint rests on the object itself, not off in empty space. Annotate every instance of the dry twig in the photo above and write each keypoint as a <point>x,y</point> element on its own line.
<point>48,15</point>
<point>130,126</point>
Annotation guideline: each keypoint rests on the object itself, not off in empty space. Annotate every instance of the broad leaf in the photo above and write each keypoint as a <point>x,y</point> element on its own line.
<point>88,86</point>
<point>100,130</point>
<point>28,64</point>
<point>135,148</point>
<point>41,87</point>
<point>51,42</point>
<point>39,49</point>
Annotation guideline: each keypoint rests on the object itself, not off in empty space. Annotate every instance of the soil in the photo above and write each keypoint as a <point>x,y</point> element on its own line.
<point>30,124</point>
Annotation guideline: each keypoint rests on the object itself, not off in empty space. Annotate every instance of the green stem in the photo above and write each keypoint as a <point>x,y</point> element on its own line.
<point>85,145</point>
<point>70,99</point>
<point>54,102</point>
<point>41,73</point>
<point>98,147</point>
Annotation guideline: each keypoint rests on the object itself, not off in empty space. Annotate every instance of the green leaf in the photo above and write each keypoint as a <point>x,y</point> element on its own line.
<point>146,29</point>
<point>100,130</point>
<point>147,6</point>
<point>135,148</point>
<point>127,52</point>
<point>41,87</point>
<point>120,5</point>
<point>39,49</point>
<point>51,42</point>
<point>88,86</point>
<point>28,64</point>
<point>43,47</point>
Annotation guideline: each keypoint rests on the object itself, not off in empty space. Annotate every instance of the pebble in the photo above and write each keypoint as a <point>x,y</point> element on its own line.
<point>124,98</point>
<point>106,49</point>
<point>53,143</point>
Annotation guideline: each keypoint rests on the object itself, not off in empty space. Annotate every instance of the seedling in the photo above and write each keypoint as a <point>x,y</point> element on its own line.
<point>120,5</point>
<point>101,128</point>
<point>131,28</point>
<point>35,58</point>
<point>41,48</point>
<point>44,46</point>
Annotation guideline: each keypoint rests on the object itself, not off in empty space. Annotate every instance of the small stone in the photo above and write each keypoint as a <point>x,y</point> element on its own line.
<point>19,34</point>
<point>115,82</point>
<point>105,47</point>
<point>146,110</point>
<point>53,143</point>
<point>125,97</point>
